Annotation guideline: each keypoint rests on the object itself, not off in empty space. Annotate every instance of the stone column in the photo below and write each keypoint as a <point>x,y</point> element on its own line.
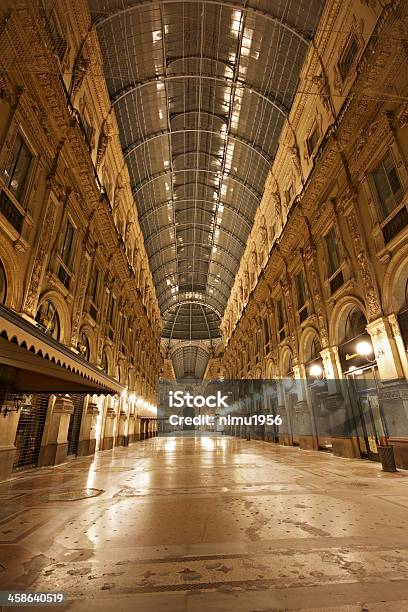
<point>131,431</point>
<point>399,342</point>
<point>87,441</point>
<point>55,449</point>
<point>385,350</point>
<point>122,428</point>
<point>108,439</point>
<point>8,429</point>
<point>138,429</point>
<point>393,394</point>
<point>304,417</point>
<point>285,430</point>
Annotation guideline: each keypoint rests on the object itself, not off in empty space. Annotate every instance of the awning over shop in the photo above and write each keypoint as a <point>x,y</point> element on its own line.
<point>32,362</point>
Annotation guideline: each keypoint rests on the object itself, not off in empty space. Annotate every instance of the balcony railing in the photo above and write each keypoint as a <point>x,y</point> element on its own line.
<point>395,225</point>
<point>10,211</point>
<point>336,282</point>
<point>64,276</point>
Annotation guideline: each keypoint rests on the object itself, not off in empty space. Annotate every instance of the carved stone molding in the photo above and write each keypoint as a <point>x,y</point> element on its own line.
<point>40,258</point>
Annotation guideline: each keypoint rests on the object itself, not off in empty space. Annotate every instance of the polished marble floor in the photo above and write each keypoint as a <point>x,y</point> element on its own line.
<point>209,523</point>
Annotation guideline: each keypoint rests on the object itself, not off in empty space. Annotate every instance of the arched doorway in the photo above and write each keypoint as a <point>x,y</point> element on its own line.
<point>361,373</point>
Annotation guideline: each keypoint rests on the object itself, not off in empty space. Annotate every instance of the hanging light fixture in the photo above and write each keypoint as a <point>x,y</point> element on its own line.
<point>17,399</point>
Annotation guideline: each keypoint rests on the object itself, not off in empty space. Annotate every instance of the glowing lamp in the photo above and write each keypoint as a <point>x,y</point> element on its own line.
<point>316,370</point>
<point>364,348</point>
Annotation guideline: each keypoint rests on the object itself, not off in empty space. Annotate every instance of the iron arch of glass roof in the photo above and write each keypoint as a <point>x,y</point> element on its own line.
<point>201,91</point>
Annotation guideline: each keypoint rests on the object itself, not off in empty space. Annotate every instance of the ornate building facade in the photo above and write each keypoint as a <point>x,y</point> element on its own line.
<point>117,264</point>
<point>79,313</point>
<point>322,288</point>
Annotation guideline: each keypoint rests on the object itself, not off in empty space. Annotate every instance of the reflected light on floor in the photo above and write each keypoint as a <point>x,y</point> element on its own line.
<point>207,442</point>
<point>170,445</point>
<point>90,481</point>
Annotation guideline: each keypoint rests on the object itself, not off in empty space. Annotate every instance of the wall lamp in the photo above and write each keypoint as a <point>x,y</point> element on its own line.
<point>316,371</point>
<point>363,349</point>
<point>19,400</point>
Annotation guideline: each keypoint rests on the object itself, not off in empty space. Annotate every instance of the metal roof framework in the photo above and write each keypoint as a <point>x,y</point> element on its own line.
<point>201,91</point>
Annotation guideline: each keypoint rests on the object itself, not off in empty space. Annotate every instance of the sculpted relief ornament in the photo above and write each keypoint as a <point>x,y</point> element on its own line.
<point>104,139</point>
<point>43,248</point>
<point>370,293</point>
<point>310,259</point>
<point>81,67</point>
<point>275,196</point>
<point>294,154</point>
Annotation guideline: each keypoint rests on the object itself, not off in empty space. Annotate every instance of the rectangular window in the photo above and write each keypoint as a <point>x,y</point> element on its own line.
<point>16,171</point>
<point>53,29</point>
<point>332,252</point>
<point>266,331</point>
<point>111,316</point>
<point>281,315</point>
<point>67,243</point>
<point>300,290</point>
<point>123,334</point>
<point>301,296</point>
<point>93,286</point>
<point>94,293</point>
<point>387,184</point>
<point>348,57</point>
<point>313,141</point>
<point>289,194</point>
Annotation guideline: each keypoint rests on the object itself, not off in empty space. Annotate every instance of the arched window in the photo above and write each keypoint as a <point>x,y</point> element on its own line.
<point>403,318</point>
<point>3,284</point>
<point>355,324</point>
<point>48,319</point>
<point>83,346</point>
<point>315,349</point>
<point>289,368</point>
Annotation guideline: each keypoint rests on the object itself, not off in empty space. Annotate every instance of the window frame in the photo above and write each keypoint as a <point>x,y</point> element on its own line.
<point>95,297</point>
<point>353,64</point>
<point>311,150</point>
<point>380,207</point>
<point>20,207</point>
<point>65,270</point>
<point>281,313</point>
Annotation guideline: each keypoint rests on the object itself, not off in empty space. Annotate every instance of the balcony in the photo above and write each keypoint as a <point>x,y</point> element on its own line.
<point>395,225</point>
<point>11,211</point>
<point>336,282</point>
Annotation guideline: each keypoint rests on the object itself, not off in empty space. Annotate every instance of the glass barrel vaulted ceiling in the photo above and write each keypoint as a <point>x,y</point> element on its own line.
<point>201,91</point>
